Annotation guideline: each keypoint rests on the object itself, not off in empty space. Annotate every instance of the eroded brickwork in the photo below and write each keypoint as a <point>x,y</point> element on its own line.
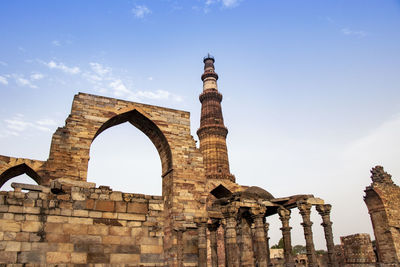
<point>383,201</point>
<point>357,249</point>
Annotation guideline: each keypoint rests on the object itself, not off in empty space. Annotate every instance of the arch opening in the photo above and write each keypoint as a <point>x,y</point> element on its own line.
<point>124,152</point>
<point>21,170</point>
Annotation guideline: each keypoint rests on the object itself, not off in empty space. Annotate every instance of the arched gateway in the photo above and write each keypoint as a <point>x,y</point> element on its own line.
<point>68,220</point>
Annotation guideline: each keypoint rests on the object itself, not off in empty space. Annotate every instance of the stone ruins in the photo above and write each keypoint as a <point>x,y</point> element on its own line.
<point>203,218</point>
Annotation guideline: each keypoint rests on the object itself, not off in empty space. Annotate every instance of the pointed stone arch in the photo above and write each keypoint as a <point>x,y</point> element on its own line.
<point>149,128</point>
<point>17,170</point>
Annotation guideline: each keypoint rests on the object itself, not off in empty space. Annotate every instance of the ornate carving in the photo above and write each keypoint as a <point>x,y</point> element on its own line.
<point>324,211</point>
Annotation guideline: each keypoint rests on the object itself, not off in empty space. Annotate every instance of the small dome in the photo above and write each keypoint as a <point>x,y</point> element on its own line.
<point>257,192</point>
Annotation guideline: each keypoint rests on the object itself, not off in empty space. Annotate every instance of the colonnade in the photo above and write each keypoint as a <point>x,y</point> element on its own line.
<point>246,238</point>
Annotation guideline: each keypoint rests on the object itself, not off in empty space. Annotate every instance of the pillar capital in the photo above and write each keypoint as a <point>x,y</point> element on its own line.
<point>230,210</point>
<point>258,211</point>
<point>324,209</point>
<point>304,207</point>
<point>284,214</point>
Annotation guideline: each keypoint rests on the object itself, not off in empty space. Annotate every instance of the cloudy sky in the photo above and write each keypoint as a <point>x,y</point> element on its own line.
<point>311,89</point>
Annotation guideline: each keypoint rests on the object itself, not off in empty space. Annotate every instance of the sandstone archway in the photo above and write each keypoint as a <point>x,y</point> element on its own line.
<point>149,128</point>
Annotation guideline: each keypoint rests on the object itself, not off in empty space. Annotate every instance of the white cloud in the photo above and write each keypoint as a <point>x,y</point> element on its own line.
<point>21,81</point>
<point>3,63</point>
<point>18,124</point>
<point>230,3</point>
<point>140,11</point>
<point>119,88</point>
<point>46,122</point>
<point>3,80</point>
<point>224,3</point>
<point>347,31</point>
<point>150,78</point>
<point>61,66</point>
<point>99,69</point>
<point>36,76</point>
<point>159,94</point>
<point>56,43</point>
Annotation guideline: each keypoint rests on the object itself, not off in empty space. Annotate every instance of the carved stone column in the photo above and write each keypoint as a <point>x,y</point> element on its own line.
<point>268,253</point>
<point>245,246</point>
<point>260,246</point>
<point>305,211</point>
<point>202,241</point>
<point>213,227</point>
<point>231,248</point>
<point>324,211</point>
<point>284,216</point>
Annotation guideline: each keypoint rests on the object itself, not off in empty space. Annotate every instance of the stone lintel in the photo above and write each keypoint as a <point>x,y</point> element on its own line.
<point>30,187</point>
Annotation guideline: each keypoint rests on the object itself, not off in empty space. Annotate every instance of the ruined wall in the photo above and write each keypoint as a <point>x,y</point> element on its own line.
<point>383,201</point>
<point>183,179</point>
<point>84,226</point>
<point>357,250</point>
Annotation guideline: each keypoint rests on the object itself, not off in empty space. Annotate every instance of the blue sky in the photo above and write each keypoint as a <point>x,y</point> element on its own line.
<point>311,88</point>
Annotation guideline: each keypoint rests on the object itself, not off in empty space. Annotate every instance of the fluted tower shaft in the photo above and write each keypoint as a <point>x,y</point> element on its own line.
<point>212,132</point>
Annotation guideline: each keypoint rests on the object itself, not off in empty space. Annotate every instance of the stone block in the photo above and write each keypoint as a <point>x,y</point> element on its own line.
<point>31,226</point>
<point>11,226</point>
<point>78,196</point>
<point>53,228</point>
<point>89,239</point>
<point>155,249</point>
<point>77,220</point>
<point>120,231</point>
<point>124,258</point>
<point>111,239</point>
<point>98,258</point>
<point>78,258</point>
<point>131,217</point>
<point>57,238</point>
<point>22,237</point>
<point>104,205</point>
<point>80,213</point>
<point>9,236</point>
<point>95,214</point>
<point>98,230</point>
<point>75,229</point>
<point>13,246</point>
<point>8,257</point>
<point>65,247</point>
<point>120,206</point>
<point>58,257</point>
<point>135,207</point>
<point>31,257</point>
<point>151,258</point>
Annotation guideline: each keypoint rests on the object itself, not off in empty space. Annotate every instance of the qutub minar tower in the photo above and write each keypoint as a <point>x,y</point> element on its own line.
<point>212,132</point>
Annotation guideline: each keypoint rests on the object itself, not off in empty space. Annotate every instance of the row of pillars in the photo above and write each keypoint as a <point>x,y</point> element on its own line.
<point>249,246</point>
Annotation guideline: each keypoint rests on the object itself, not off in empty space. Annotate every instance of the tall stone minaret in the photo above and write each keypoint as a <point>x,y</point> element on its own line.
<point>212,132</point>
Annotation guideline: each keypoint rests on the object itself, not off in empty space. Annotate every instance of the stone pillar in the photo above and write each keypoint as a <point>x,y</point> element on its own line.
<point>246,246</point>
<point>231,247</point>
<point>284,216</point>
<point>260,246</point>
<point>213,227</point>
<point>305,211</point>
<point>268,254</point>
<point>202,241</point>
<point>324,211</point>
